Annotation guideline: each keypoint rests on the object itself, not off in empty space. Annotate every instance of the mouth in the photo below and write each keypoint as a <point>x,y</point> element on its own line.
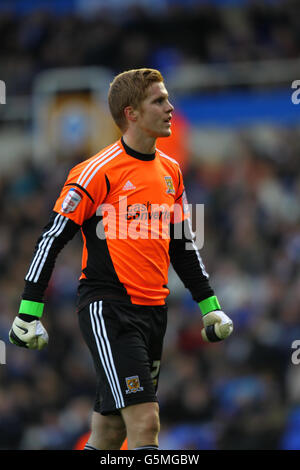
<point>168,120</point>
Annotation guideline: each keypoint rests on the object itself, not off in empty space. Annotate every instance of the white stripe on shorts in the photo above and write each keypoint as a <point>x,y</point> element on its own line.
<point>105,353</point>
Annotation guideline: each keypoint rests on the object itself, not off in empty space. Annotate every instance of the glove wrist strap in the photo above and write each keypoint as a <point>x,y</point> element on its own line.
<point>30,307</point>
<point>209,304</point>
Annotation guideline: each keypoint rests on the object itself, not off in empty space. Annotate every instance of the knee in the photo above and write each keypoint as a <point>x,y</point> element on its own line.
<point>107,432</point>
<point>142,424</point>
<point>114,432</point>
<point>148,422</point>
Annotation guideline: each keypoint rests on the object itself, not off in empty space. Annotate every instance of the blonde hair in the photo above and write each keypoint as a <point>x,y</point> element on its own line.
<point>130,89</point>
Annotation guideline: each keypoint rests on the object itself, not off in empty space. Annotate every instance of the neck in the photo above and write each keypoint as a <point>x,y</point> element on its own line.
<point>140,143</point>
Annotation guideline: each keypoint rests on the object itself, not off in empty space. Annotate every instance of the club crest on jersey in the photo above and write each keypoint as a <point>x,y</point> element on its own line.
<point>170,187</point>
<point>71,201</point>
<point>133,384</point>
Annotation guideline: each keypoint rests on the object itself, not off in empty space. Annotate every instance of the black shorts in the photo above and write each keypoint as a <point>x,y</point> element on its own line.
<point>126,344</point>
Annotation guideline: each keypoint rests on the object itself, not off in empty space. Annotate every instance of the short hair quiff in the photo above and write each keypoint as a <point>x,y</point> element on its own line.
<point>130,89</point>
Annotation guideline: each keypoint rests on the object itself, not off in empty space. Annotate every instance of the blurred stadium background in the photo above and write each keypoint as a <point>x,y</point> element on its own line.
<point>229,66</point>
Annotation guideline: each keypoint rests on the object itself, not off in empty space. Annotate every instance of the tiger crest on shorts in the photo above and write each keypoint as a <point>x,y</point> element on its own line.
<point>133,384</point>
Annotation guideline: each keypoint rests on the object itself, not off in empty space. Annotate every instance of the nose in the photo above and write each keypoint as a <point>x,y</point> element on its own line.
<point>170,107</point>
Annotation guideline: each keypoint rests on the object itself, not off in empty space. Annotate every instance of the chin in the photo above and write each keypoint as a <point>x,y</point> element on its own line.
<point>165,133</point>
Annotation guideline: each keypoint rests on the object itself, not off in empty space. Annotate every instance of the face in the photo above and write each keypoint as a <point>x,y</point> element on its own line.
<point>154,115</point>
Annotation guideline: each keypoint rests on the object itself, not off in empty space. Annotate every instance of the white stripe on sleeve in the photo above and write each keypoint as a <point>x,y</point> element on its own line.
<point>44,246</point>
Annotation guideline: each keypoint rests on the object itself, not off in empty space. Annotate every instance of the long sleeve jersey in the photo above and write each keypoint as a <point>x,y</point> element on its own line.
<point>128,207</point>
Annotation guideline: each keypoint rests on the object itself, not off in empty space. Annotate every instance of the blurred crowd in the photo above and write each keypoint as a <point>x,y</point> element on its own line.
<point>239,394</point>
<point>243,393</point>
<point>183,33</point>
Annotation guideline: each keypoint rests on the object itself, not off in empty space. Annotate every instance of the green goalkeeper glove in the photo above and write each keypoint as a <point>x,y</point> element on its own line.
<point>27,330</point>
<point>217,325</point>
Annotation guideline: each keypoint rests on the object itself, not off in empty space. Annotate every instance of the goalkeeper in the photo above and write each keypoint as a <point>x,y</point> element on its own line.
<point>134,188</point>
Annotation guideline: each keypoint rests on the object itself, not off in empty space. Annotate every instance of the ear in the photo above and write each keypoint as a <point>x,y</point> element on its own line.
<point>131,114</point>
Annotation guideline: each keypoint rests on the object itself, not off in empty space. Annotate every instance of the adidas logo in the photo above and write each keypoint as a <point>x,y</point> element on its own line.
<point>128,186</point>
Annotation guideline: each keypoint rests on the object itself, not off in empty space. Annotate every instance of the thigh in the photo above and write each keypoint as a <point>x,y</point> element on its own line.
<point>121,356</point>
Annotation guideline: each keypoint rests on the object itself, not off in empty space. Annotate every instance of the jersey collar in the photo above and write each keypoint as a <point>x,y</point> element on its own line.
<point>138,155</point>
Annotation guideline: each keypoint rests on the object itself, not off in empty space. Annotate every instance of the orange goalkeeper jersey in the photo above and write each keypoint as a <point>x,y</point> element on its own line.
<point>124,203</point>
<point>127,206</point>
